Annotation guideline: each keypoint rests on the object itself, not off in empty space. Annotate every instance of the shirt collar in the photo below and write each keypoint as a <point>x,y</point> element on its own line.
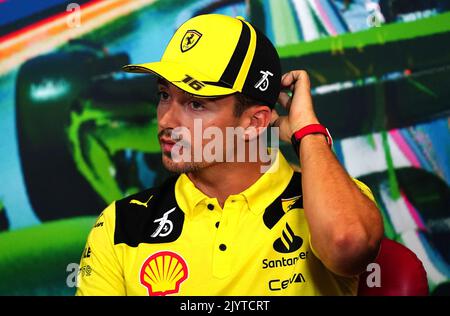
<point>188,196</point>
<point>258,196</point>
<point>270,185</point>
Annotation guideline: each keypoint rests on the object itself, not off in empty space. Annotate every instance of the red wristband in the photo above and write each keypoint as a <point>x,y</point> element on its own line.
<point>310,129</point>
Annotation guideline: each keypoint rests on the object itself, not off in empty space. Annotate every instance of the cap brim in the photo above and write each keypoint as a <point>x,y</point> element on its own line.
<point>200,85</point>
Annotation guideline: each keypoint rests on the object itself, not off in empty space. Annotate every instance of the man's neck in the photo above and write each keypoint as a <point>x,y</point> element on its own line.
<point>224,179</point>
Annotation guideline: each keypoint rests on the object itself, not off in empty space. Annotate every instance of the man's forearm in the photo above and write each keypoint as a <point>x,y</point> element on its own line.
<point>345,225</point>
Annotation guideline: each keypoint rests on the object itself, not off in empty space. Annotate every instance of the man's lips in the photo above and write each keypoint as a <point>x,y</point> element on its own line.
<point>166,144</point>
<point>167,140</point>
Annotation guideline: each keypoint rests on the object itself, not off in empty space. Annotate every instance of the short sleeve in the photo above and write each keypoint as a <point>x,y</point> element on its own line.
<point>364,189</point>
<point>100,269</point>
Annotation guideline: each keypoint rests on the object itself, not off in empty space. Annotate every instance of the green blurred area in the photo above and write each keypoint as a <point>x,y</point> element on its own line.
<point>34,260</point>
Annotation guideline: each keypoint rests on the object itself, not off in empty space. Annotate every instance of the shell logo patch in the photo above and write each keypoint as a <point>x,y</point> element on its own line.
<point>190,39</point>
<point>163,272</point>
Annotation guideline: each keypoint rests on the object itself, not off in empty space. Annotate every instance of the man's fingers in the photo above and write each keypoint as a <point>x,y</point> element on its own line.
<point>302,95</point>
<point>274,116</point>
<point>283,77</point>
<point>285,100</point>
<point>298,81</point>
<point>297,78</point>
<point>289,78</point>
<point>299,106</point>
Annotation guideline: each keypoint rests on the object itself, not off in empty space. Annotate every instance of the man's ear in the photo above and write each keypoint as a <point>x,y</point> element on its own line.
<point>258,119</point>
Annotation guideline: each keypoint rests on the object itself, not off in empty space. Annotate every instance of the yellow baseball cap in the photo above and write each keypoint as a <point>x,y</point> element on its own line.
<point>214,55</point>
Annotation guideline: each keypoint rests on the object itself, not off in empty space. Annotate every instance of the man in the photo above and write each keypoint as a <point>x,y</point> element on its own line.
<point>224,227</point>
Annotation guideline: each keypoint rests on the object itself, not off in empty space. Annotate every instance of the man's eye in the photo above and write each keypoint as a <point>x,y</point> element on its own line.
<point>163,95</point>
<point>196,106</point>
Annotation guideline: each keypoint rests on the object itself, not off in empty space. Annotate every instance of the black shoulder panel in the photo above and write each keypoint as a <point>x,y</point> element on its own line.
<point>274,212</point>
<point>151,216</point>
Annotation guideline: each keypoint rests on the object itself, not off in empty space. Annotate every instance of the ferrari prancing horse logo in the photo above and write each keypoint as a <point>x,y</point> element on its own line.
<point>190,39</point>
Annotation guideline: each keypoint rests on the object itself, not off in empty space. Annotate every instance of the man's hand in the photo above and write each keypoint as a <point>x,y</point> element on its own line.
<point>345,225</point>
<point>299,106</point>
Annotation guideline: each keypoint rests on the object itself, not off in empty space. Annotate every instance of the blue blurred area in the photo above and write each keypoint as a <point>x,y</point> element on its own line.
<point>13,10</point>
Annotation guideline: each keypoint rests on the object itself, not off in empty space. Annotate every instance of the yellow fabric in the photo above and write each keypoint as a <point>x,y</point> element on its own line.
<point>101,273</point>
<point>364,189</point>
<point>204,61</point>
<point>240,80</point>
<point>250,264</point>
<point>175,73</point>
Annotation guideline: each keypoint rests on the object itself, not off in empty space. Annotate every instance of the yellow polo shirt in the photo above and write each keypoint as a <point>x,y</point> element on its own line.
<point>175,240</point>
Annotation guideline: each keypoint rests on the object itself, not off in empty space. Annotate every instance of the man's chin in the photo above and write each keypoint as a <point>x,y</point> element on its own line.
<point>180,167</point>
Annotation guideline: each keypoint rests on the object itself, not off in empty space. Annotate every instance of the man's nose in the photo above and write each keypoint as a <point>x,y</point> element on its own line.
<point>168,115</point>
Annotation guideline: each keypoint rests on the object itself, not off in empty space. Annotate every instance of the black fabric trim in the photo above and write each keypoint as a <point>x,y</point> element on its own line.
<point>232,70</point>
<point>218,84</point>
<point>265,59</point>
<point>136,223</point>
<point>274,212</point>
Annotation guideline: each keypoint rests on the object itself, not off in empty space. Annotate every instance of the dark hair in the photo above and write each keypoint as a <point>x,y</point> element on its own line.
<point>243,102</point>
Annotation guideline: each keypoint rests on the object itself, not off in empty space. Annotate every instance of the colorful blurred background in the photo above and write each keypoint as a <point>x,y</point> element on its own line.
<point>77,133</point>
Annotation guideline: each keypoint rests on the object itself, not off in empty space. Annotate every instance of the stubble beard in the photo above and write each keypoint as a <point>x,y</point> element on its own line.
<point>182,167</point>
